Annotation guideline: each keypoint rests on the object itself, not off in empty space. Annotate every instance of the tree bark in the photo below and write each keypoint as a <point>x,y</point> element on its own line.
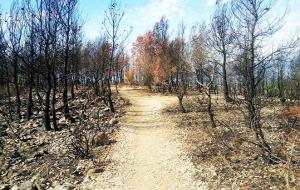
<point>9,96</point>
<point>16,83</point>
<point>54,119</point>
<point>209,109</point>
<point>47,103</point>
<point>225,83</point>
<point>181,107</point>
<point>30,99</point>
<point>109,97</point>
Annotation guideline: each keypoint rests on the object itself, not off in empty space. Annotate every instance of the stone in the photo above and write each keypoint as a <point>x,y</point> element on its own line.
<point>100,140</point>
<point>94,171</point>
<point>65,186</point>
<point>16,154</point>
<point>59,113</point>
<point>99,99</point>
<point>15,187</point>
<point>38,155</point>
<point>5,187</point>
<point>79,171</point>
<point>106,109</point>
<point>30,160</point>
<point>36,124</point>
<point>3,131</point>
<point>113,121</point>
<point>62,120</point>
<point>27,185</point>
<point>29,124</point>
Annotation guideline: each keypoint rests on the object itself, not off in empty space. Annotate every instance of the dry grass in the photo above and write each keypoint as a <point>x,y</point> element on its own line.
<point>227,157</point>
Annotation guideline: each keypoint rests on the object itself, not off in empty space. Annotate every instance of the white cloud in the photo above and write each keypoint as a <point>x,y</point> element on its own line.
<point>211,2</point>
<point>144,17</point>
<point>151,13</point>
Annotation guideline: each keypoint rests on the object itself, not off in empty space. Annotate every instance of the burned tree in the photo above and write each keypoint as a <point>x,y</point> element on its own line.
<point>221,41</point>
<point>253,28</point>
<point>179,58</point>
<point>198,52</point>
<point>47,24</point>
<point>112,24</point>
<point>15,28</point>
<point>68,21</point>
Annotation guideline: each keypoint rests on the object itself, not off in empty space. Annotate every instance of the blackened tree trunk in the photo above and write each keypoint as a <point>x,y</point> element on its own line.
<point>109,96</point>
<point>72,90</point>
<point>54,119</point>
<point>8,94</point>
<point>17,90</point>
<point>30,99</point>
<point>225,83</point>
<point>221,41</point>
<point>252,102</point>
<point>181,107</point>
<point>72,76</point>
<point>209,108</point>
<point>112,24</point>
<point>47,102</point>
<point>65,92</point>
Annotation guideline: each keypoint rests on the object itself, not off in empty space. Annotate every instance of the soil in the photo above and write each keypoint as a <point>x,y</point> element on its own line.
<point>149,153</point>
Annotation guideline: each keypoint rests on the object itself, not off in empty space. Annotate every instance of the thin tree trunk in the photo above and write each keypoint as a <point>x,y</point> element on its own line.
<point>9,97</point>
<point>181,107</point>
<point>47,104</point>
<point>225,83</point>
<point>54,119</point>
<point>117,87</point>
<point>72,90</point>
<point>65,92</point>
<point>30,99</point>
<point>209,109</point>
<point>16,82</point>
<point>109,96</point>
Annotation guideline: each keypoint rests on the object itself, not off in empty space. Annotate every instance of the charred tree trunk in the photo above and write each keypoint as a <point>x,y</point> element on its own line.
<point>96,87</point>
<point>30,99</point>
<point>16,83</point>
<point>181,107</point>
<point>251,100</point>
<point>66,63</point>
<point>254,119</point>
<point>209,109</point>
<point>109,96</point>
<point>54,119</point>
<point>47,102</point>
<point>65,92</point>
<point>72,90</point>
<point>9,96</point>
<point>225,83</point>
<point>117,86</point>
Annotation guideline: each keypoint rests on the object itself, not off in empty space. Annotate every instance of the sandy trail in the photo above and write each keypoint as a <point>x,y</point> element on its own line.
<point>148,154</point>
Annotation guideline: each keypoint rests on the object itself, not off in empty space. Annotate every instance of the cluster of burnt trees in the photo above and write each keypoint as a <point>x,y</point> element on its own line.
<point>43,58</point>
<point>233,54</point>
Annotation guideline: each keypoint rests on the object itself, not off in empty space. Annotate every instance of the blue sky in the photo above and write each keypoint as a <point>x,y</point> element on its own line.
<point>142,14</point>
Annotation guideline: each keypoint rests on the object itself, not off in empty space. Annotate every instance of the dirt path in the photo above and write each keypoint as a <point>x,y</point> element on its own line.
<point>148,154</point>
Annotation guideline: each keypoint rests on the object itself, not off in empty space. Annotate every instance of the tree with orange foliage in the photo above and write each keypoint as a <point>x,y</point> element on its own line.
<point>130,76</point>
<point>152,58</point>
<point>164,67</point>
<point>144,57</point>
